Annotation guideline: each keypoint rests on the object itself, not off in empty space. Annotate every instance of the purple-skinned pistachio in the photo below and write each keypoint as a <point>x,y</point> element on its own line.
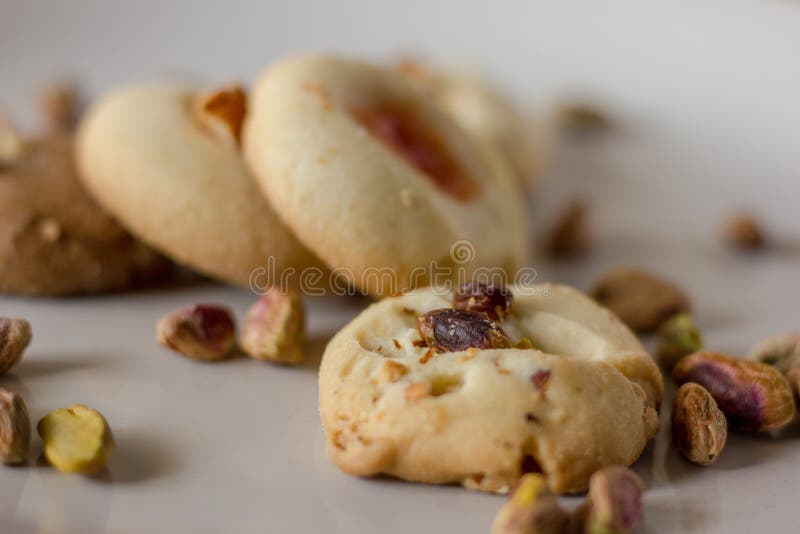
<point>754,396</point>
<point>202,332</point>
<point>614,504</point>
<point>449,330</point>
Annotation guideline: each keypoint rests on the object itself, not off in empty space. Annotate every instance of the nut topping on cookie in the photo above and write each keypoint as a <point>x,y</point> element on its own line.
<point>492,300</point>
<point>392,372</point>
<point>455,330</point>
<point>396,126</point>
<point>540,379</point>
<point>228,107</point>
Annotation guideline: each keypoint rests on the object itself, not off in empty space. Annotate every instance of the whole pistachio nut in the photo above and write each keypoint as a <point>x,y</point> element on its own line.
<point>15,428</point>
<point>614,503</point>
<point>642,300</point>
<point>743,231</point>
<point>202,332</point>
<point>274,328</point>
<point>582,118</point>
<point>15,335</point>
<point>699,428</point>
<point>781,351</point>
<point>531,509</point>
<point>677,337</point>
<point>754,396</point>
<point>76,439</point>
<point>570,235</point>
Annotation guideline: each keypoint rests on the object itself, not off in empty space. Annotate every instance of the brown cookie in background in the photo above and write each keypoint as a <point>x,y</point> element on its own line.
<point>54,239</point>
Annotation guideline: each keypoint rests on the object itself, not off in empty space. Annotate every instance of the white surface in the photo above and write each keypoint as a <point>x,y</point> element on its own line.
<point>708,100</point>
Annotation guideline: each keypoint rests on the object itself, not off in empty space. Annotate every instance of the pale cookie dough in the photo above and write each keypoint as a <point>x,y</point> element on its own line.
<point>178,182</point>
<point>483,111</point>
<point>482,418</point>
<point>54,239</point>
<point>375,178</point>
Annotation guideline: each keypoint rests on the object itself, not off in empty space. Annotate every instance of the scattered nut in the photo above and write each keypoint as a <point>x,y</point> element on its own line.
<point>492,300</point>
<point>59,105</point>
<point>781,352</point>
<point>226,109</point>
<point>677,337</point>
<point>643,301</point>
<point>76,439</point>
<point>699,428</point>
<point>274,328</point>
<point>754,396</point>
<point>201,332</point>
<point>450,330</point>
<point>742,231</point>
<point>531,509</point>
<point>582,118</point>
<point>614,503</point>
<point>15,428</point>
<point>569,237</point>
<point>15,335</point>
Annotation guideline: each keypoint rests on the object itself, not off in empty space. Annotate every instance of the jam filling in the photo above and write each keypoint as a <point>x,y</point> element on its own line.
<point>399,130</point>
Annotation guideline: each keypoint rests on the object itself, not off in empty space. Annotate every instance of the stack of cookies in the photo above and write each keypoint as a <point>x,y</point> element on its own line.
<point>391,181</point>
<point>327,162</point>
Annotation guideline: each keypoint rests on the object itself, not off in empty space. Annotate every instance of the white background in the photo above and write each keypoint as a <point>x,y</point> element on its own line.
<point>707,99</point>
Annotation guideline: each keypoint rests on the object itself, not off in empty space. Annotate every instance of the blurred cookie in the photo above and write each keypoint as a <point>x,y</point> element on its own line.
<point>375,179</point>
<point>483,111</point>
<point>165,161</point>
<point>54,239</point>
<point>575,394</point>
